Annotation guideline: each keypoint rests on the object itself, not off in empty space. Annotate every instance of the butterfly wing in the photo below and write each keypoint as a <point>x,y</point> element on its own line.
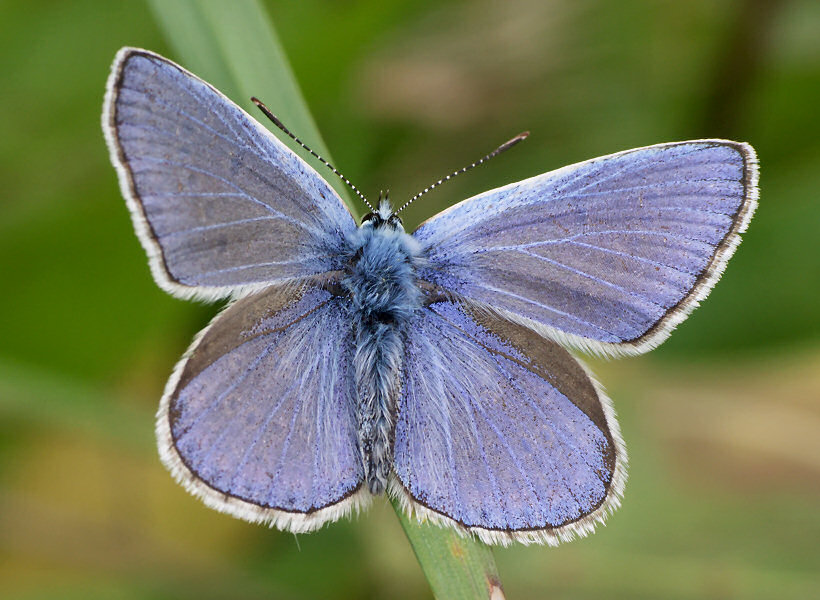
<point>219,203</point>
<point>258,418</point>
<point>608,255</point>
<point>502,431</point>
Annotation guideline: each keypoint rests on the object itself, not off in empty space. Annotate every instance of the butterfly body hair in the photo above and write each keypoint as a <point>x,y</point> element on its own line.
<point>381,284</point>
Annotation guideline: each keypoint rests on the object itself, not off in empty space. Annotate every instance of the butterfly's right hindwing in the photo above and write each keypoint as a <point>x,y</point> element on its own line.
<point>221,205</point>
<point>259,420</point>
<point>502,431</point>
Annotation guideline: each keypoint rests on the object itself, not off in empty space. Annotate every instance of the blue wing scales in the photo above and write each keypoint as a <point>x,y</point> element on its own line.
<point>219,203</point>
<point>502,431</point>
<point>259,420</point>
<point>609,254</point>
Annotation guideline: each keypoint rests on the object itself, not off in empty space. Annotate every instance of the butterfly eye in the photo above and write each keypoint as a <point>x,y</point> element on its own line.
<point>374,218</point>
<point>394,221</point>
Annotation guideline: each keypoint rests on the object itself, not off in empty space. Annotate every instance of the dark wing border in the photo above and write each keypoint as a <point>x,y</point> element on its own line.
<point>707,279</point>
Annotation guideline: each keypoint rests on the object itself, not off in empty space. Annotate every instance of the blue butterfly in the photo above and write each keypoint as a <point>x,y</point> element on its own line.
<point>358,360</point>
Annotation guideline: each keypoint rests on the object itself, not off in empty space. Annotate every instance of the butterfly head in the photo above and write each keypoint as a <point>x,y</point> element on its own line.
<point>384,216</point>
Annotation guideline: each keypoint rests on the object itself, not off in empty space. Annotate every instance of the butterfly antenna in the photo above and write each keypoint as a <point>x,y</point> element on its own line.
<point>505,146</point>
<point>281,126</point>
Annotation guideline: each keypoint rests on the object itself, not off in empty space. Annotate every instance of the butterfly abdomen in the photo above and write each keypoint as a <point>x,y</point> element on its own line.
<point>383,293</point>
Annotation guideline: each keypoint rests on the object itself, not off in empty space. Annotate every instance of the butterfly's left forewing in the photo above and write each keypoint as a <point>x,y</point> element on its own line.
<point>258,418</point>
<point>220,204</point>
<point>502,431</point>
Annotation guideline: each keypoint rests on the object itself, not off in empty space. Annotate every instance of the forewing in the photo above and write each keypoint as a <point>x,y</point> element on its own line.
<point>218,202</point>
<point>502,431</point>
<point>609,254</point>
<point>258,418</point>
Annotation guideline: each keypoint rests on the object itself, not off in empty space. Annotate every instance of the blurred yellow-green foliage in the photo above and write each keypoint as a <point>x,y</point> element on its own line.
<point>722,422</point>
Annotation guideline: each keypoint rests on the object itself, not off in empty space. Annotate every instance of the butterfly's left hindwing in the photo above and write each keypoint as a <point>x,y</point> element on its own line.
<point>502,431</point>
<point>258,419</point>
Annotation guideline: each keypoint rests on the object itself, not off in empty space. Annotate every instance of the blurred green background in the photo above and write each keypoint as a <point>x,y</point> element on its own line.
<point>722,422</point>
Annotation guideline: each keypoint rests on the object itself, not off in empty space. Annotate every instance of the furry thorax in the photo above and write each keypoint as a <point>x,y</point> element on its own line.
<point>380,280</point>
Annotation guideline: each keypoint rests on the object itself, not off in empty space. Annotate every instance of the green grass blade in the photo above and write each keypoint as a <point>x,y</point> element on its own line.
<point>456,567</point>
<point>234,46</point>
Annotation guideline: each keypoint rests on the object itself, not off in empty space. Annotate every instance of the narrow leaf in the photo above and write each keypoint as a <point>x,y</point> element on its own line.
<point>456,567</point>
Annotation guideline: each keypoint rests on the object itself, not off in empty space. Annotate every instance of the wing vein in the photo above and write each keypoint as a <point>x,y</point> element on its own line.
<point>590,276</point>
<point>627,165</point>
<point>555,430</point>
<point>270,209</point>
<point>258,434</point>
<point>664,234</point>
<point>202,124</point>
<point>261,264</point>
<point>221,225</point>
<point>296,411</point>
<point>236,382</point>
<point>545,307</point>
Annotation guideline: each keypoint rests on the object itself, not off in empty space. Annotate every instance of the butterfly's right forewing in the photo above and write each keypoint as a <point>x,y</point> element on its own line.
<point>258,419</point>
<point>608,255</point>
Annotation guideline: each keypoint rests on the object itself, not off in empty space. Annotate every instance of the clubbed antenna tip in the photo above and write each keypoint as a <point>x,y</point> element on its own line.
<point>510,143</point>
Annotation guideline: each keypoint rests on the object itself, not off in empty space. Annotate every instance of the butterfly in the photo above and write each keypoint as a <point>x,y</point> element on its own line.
<point>433,366</point>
